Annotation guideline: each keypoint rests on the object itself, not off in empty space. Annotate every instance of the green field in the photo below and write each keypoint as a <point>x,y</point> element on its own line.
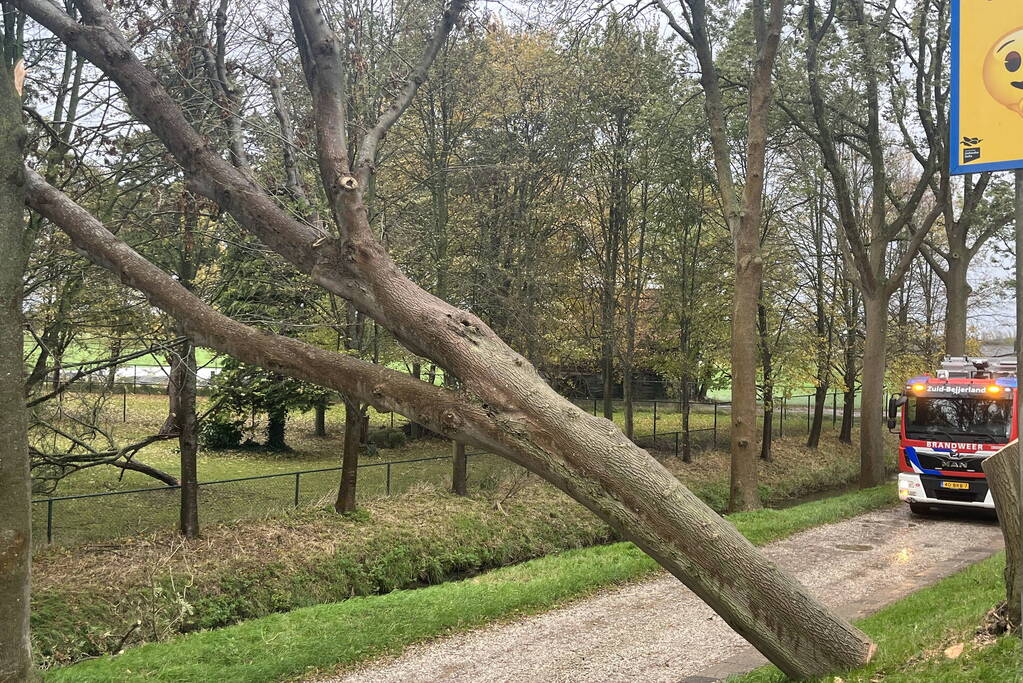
<point>133,416</point>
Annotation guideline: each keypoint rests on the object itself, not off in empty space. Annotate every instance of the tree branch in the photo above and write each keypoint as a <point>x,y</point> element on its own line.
<point>368,149</point>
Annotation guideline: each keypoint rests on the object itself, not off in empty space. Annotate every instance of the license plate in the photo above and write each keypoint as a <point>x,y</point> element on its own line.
<point>955,485</point>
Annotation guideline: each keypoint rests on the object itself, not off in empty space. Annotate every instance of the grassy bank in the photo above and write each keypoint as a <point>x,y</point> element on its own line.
<point>290,559</point>
<point>932,635</point>
<point>346,633</point>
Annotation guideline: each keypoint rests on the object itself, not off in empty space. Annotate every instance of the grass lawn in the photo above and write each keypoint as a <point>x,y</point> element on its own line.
<point>919,637</point>
<point>344,634</point>
<point>86,350</point>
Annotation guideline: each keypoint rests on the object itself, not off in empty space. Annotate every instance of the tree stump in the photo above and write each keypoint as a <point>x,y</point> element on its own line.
<point>1003,476</point>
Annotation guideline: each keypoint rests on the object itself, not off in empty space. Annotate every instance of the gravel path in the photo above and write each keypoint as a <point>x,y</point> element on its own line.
<point>659,631</point>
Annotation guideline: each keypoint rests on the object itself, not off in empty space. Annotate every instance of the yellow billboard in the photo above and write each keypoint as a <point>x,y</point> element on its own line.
<point>987,86</point>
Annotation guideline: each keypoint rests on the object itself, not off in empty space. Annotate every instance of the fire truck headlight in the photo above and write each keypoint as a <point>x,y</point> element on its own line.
<point>910,487</point>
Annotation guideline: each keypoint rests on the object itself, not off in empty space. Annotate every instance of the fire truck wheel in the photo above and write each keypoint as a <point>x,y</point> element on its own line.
<point>920,508</point>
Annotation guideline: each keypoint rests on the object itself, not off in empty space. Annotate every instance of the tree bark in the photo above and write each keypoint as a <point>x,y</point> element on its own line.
<point>957,290</point>
<point>820,395</point>
<point>743,493</point>
<point>872,469</point>
<point>183,380</point>
<point>767,428</point>
<point>1003,476</point>
<point>349,458</point>
<point>607,370</point>
<point>459,470</point>
<point>687,454</point>
<point>321,420</point>
<point>848,415</point>
<point>627,401</point>
<point>15,480</point>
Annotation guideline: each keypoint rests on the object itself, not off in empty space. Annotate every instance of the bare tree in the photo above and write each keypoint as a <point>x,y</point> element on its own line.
<point>890,214</point>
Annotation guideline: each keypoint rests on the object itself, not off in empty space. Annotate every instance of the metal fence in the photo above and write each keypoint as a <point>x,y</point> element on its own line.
<point>98,516</point>
<point>659,428</point>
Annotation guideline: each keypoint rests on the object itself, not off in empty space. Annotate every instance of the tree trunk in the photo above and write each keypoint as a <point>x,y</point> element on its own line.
<point>183,376</point>
<point>872,467</point>
<point>627,401</point>
<point>767,429</point>
<point>820,395</point>
<point>276,424</point>
<point>607,370</point>
<point>349,458</point>
<point>459,469</point>
<point>743,494</point>
<point>1003,476</point>
<point>15,480</point>
<point>851,304</point>
<point>957,290</point>
<point>415,430</point>
<point>115,351</point>
<point>848,415</point>
<point>687,454</point>
<point>321,420</point>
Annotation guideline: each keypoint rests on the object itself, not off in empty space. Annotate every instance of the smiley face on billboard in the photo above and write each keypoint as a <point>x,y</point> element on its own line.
<point>1003,71</point>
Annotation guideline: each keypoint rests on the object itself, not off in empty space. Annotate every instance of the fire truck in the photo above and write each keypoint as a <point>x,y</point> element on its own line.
<point>948,425</point>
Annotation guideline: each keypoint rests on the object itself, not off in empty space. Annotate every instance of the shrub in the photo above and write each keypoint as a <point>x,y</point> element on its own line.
<point>220,432</point>
<point>387,438</point>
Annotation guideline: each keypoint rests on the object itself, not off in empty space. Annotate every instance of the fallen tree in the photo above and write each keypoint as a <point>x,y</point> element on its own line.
<point>502,405</point>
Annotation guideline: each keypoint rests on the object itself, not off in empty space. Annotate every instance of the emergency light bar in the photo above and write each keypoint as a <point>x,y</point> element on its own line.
<point>963,367</point>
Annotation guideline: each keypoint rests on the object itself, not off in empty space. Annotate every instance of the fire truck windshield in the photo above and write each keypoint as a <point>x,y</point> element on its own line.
<point>966,418</point>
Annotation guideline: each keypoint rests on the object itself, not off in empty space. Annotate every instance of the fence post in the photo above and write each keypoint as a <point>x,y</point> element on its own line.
<point>594,407</point>
<point>676,444</point>
<point>392,419</point>
<point>459,472</point>
<point>297,476</point>
<point>655,421</point>
<point>49,521</point>
<point>388,483</point>
<point>834,408</point>
<point>124,403</point>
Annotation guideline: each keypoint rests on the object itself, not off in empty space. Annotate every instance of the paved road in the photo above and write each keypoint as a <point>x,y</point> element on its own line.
<point>659,631</point>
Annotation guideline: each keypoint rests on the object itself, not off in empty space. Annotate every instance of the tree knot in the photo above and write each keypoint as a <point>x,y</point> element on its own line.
<point>451,419</point>
<point>348,183</point>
